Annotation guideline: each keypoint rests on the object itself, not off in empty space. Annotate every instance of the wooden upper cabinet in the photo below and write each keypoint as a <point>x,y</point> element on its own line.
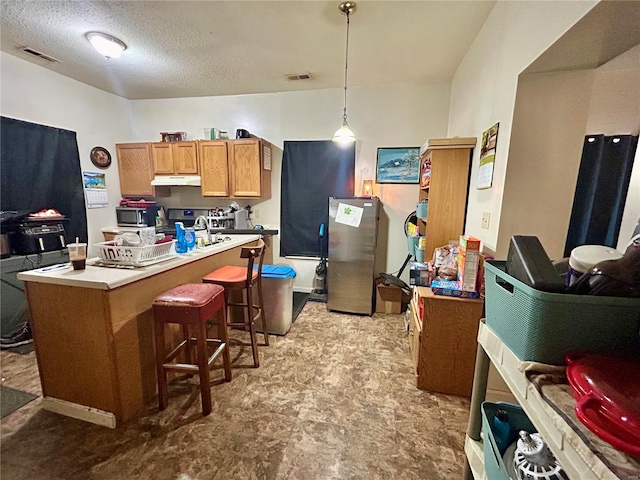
<point>175,158</point>
<point>185,158</point>
<point>248,175</point>
<point>135,169</point>
<point>214,168</point>
<point>162,158</point>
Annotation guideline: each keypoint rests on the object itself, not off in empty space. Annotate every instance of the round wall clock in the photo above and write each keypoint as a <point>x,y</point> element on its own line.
<point>100,157</point>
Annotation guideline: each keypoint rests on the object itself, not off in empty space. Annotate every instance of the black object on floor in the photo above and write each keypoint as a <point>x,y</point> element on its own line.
<point>299,299</point>
<point>13,399</point>
<point>318,297</point>
<point>22,336</point>
<point>20,349</point>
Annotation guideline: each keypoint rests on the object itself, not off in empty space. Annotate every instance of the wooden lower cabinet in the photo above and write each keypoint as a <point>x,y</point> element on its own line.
<point>443,341</point>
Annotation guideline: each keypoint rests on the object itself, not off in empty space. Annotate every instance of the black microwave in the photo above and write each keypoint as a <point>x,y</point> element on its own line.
<point>136,217</point>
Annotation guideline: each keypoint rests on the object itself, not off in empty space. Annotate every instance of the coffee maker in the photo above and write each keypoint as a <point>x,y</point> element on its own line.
<point>241,219</point>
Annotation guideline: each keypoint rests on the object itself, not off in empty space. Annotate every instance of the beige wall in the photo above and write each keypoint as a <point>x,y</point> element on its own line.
<point>615,109</point>
<point>547,134</point>
<point>35,94</point>
<point>483,91</point>
<point>553,112</point>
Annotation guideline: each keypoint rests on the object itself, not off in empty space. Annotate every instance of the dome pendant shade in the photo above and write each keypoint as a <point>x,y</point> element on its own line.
<point>344,135</point>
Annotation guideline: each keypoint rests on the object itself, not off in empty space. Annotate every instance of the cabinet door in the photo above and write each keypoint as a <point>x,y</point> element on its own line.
<point>134,169</point>
<point>162,158</point>
<point>185,158</point>
<point>245,168</point>
<point>214,170</point>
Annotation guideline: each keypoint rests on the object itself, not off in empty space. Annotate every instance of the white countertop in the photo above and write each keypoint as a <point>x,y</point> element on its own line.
<point>105,278</point>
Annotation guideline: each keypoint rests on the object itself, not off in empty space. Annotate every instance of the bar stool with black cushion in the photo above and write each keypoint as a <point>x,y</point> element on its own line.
<point>191,305</point>
<point>245,279</point>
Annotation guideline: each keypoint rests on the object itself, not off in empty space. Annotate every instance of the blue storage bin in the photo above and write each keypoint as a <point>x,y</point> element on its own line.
<point>518,420</point>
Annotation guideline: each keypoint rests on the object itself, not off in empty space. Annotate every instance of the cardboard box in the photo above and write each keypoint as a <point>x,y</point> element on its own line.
<point>388,299</point>
<point>470,244</point>
<point>468,263</point>
<point>451,288</point>
<point>419,274</point>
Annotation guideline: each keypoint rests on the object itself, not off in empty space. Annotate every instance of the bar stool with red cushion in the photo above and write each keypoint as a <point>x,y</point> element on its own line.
<point>192,305</point>
<point>245,279</point>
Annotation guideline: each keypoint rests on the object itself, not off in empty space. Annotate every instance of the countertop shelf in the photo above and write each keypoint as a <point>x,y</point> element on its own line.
<point>577,459</point>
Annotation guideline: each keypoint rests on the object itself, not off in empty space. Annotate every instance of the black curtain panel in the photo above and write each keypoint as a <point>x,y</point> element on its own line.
<point>40,168</point>
<point>312,171</point>
<point>601,190</point>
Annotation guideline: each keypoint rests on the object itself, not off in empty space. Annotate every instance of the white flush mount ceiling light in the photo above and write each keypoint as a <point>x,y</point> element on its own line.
<point>344,135</point>
<point>106,45</point>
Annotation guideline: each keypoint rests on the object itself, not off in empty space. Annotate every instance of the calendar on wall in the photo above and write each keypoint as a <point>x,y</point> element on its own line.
<point>95,190</point>
<point>487,157</point>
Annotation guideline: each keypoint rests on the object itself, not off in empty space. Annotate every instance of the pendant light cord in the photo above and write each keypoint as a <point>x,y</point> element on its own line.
<point>346,62</point>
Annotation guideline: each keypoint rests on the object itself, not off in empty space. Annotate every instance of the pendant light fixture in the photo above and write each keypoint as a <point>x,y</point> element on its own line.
<point>106,45</point>
<point>344,135</point>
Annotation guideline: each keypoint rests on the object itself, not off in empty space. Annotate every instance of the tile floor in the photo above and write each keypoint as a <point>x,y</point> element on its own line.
<point>333,399</point>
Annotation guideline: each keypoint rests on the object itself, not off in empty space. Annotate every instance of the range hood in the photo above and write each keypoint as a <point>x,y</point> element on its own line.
<point>176,180</point>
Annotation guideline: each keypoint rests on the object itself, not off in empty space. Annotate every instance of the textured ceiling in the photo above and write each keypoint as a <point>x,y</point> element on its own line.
<point>185,49</point>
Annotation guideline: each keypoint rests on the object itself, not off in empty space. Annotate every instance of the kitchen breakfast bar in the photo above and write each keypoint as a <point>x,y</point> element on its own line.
<point>93,330</point>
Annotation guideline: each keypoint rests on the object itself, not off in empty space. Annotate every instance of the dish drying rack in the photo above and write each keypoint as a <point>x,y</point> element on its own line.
<point>111,254</point>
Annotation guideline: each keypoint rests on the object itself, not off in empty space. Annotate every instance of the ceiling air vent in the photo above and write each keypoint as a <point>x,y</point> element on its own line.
<point>301,76</point>
<point>38,54</point>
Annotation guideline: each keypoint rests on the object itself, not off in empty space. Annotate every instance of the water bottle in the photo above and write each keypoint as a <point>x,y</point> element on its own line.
<point>181,242</point>
<point>501,430</point>
<point>190,237</point>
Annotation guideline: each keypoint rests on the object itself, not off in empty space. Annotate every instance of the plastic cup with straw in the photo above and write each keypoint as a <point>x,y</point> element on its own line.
<point>78,254</point>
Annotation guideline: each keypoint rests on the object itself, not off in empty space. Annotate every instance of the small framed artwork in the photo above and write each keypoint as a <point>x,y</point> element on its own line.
<point>398,165</point>
<point>100,157</point>
<point>487,157</point>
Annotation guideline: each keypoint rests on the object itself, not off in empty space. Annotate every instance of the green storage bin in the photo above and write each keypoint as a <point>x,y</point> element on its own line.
<point>543,327</point>
<point>518,420</point>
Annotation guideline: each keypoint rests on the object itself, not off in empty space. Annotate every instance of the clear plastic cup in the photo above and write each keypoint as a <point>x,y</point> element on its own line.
<point>78,255</point>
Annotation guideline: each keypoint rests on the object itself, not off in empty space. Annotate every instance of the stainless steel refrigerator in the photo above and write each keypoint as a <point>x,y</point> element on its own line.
<point>353,232</point>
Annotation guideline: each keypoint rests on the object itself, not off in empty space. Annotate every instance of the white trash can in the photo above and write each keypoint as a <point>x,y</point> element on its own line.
<point>277,289</point>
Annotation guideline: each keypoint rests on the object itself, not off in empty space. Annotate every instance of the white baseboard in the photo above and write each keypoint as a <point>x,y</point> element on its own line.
<point>81,412</point>
<point>303,289</point>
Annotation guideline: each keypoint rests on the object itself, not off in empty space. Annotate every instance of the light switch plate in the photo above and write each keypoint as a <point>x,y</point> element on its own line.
<point>486,216</point>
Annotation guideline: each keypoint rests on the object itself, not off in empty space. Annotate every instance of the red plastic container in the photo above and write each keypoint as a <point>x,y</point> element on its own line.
<point>139,203</point>
<point>607,393</point>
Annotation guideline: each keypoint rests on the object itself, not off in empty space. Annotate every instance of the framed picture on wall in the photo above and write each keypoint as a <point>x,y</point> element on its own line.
<point>398,165</point>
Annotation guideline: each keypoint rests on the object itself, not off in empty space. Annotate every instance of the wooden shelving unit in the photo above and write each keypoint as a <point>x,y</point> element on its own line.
<point>447,192</point>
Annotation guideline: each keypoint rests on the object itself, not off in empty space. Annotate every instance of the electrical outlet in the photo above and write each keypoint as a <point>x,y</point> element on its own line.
<point>256,213</point>
<point>486,216</point>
